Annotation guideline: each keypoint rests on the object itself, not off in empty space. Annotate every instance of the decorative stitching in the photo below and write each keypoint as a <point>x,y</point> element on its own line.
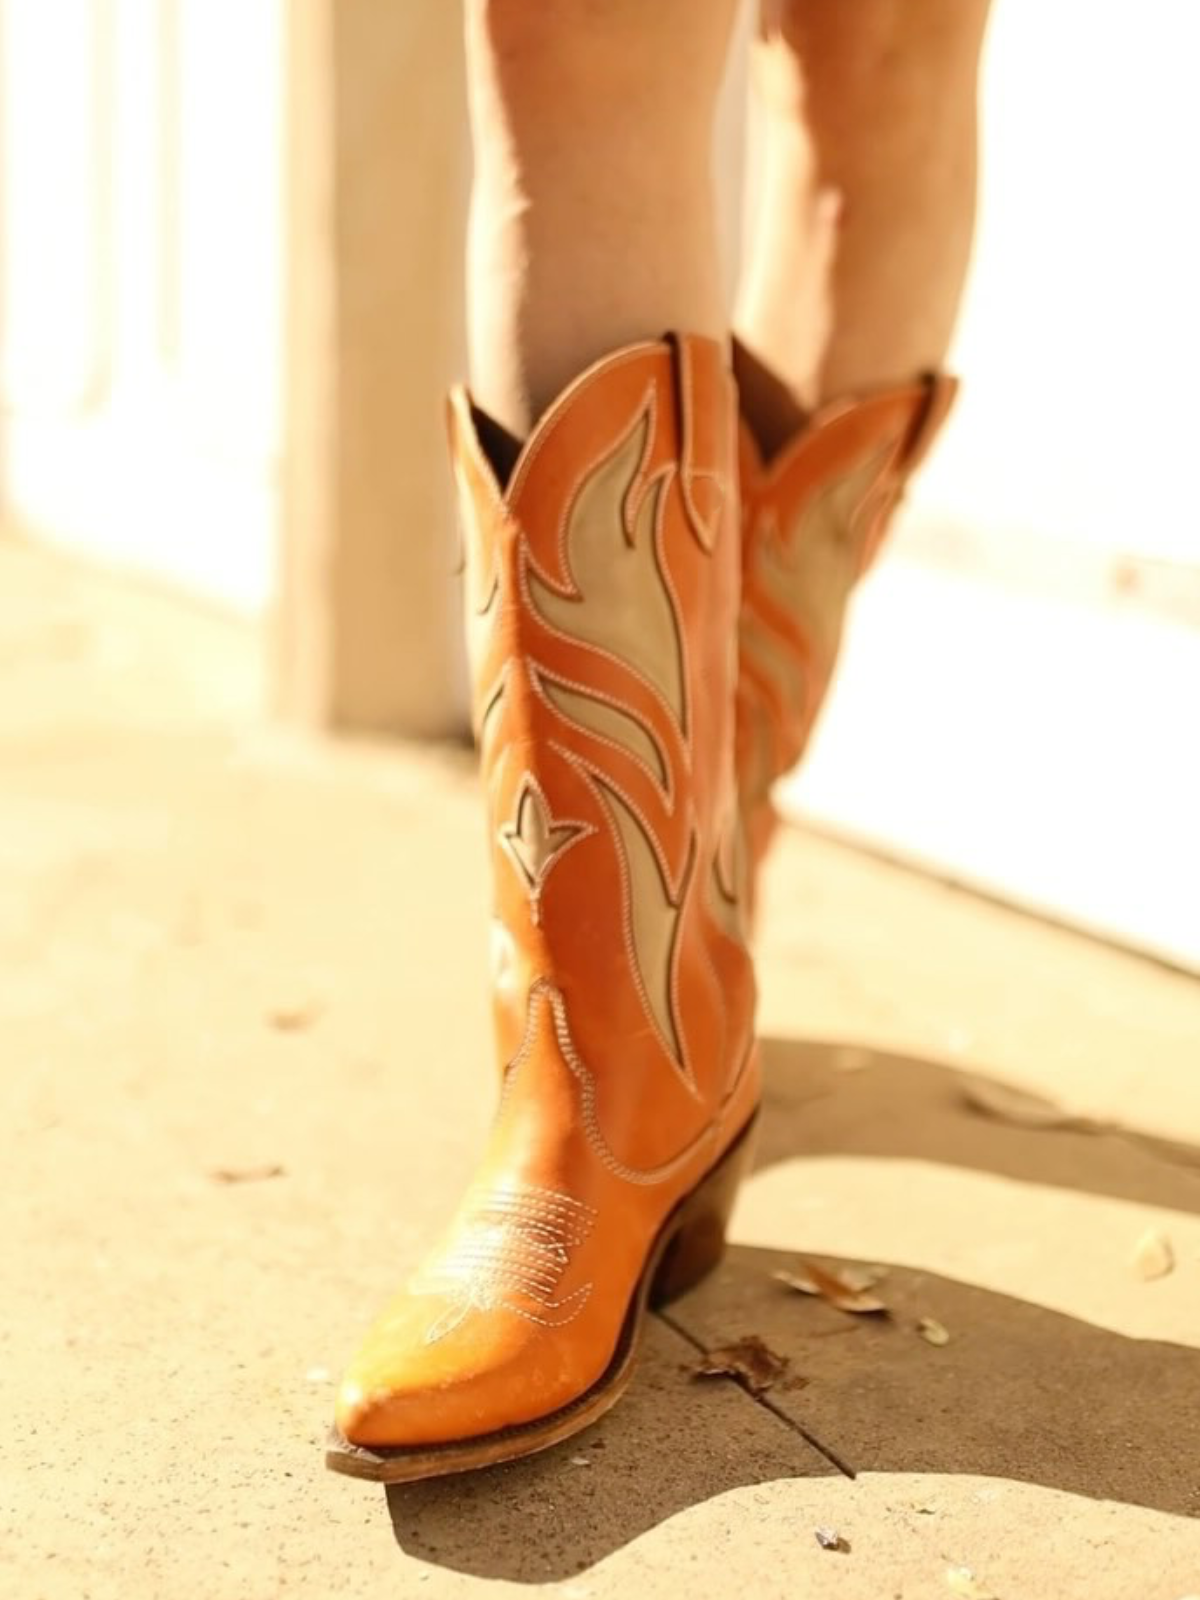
<point>491,704</point>
<point>589,770</point>
<point>718,989</point>
<point>546,426</point>
<point>673,966</point>
<point>558,627</point>
<point>646,417</point>
<point>585,645</point>
<point>673,1046</point>
<point>744,1061</point>
<point>664,572</point>
<point>516,846</point>
<point>627,939</point>
<point>664,780</point>
<point>705,536</point>
<point>513,1255</point>
<point>641,1176</point>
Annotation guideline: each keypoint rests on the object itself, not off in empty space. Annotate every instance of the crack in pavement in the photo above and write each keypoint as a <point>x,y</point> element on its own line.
<point>764,1400</point>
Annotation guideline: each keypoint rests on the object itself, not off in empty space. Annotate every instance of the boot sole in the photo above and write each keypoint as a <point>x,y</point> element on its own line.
<point>687,1247</point>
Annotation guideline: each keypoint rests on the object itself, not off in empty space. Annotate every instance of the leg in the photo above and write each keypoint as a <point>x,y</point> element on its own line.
<point>887,88</point>
<point>870,104</point>
<point>592,220</point>
<point>603,583</point>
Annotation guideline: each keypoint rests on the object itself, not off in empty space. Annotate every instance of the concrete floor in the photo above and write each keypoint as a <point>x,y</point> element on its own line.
<point>230,954</point>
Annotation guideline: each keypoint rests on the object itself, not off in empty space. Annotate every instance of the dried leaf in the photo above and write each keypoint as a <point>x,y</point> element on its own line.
<point>748,1360</point>
<point>246,1174</point>
<point>860,1277</point>
<point>853,1276</point>
<point>847,1289</point>
<point>963,1582</point>
<point>932,1331</point>
<point>796,1280</point>
<point>831,1539</point>
<point>1153,1256</point>
<point>794,1383</point>
<point>294,1015</point>
<point>1017,1106</point>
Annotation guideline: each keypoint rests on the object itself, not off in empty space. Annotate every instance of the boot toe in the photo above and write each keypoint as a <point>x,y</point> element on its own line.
<point>490,1371</point>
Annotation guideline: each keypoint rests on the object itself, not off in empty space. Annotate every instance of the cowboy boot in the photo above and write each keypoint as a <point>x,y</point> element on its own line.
<point>813,518</point>
<point>603,598</point>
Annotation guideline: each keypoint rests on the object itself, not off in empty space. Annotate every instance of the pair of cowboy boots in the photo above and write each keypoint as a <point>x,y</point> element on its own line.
<point>654,614</point>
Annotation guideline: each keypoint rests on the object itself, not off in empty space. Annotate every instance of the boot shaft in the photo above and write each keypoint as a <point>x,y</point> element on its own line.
<point>813,519</point>
<point>603,592</point>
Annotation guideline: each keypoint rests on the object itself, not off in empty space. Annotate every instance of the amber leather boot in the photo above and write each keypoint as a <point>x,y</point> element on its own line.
<point>603,594</point>
<point>813,518</point>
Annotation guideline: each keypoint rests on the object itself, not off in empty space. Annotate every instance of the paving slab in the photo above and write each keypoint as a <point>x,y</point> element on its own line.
<point>243,1072</point>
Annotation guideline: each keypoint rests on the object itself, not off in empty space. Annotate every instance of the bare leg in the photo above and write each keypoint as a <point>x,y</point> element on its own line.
<point>887,88</point>
<point>592,220</point>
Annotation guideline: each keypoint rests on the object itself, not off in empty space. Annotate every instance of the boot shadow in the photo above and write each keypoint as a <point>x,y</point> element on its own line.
<point>1020,1392</point>
<point>847,1100</point>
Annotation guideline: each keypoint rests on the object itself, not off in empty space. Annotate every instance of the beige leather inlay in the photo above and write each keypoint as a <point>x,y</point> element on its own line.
<point>728,873</point>
<point>653,920</point>
<point>623,603</point>
<point>810,570</point>
<point>535,841</point>
<point>606,720</point>
<point>491,706</point>
<point>757,757</point>
<point>780,663</point>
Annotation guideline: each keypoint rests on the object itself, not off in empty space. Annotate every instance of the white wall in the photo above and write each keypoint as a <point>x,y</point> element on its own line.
<point>1081,334</point>
<point>140,283</point>
<point>140,357</point>
<point>1016,700</point>
<point>141,254</point>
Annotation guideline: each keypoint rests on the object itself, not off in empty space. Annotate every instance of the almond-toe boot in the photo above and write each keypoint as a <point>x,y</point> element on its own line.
<point>604,578</point>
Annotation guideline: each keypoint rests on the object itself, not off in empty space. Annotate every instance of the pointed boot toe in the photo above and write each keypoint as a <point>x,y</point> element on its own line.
<point>402,1393</point>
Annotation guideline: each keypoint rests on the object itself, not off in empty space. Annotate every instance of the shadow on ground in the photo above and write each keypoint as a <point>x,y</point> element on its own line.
<point>837,1099</point>
<point>1021,1392</point>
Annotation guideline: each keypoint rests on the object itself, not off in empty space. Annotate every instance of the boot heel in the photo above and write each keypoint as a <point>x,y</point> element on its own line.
<point>697,1242</point>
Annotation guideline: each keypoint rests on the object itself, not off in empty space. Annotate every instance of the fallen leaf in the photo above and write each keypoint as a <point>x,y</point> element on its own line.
<point>246,1174</point>
<point>932,1331</point>
<point>831,1539</point>
<point>964,1583</point>
<point>847,1289</point>
<point>794,1383</point>
<point>1153,1256</point>
<point>1018,1106</point>
<point>293,1016</point>
<point>747,1360</point>
<point>853,1275</point>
